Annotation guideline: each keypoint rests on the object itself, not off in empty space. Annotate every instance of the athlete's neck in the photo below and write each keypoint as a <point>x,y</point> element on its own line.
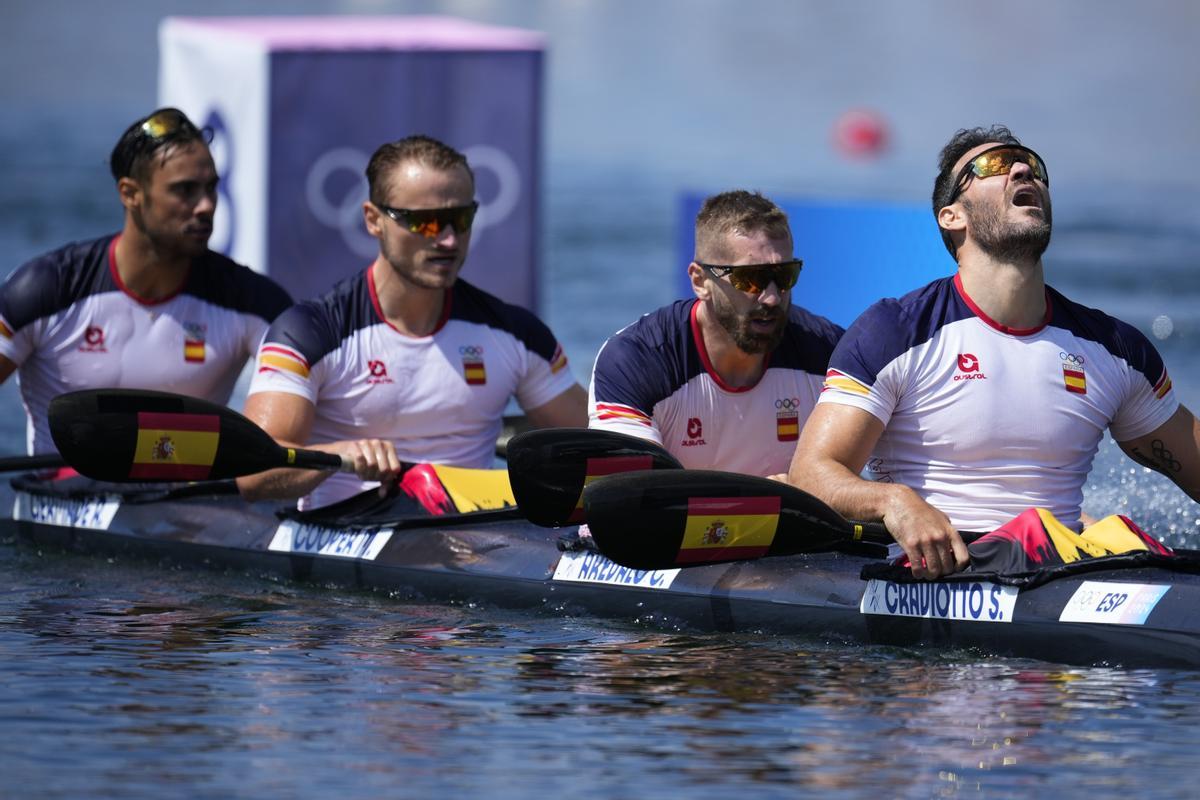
<point>144,270</point>
<point>413,310</point>
<point>1012,294</point>
<point>733,365</point>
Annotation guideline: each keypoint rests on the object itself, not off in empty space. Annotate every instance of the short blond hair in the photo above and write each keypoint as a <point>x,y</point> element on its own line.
<point>736,212</point>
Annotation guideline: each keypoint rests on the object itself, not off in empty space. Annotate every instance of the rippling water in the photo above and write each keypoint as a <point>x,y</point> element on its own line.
<point>131,679</point>
<point>122,679</point>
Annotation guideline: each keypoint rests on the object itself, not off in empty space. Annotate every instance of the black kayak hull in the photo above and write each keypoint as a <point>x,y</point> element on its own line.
<point>513,564</point>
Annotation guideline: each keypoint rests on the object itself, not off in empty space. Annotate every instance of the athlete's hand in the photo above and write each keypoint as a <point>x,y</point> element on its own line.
<point>373,459</point>
<point>931,543</point>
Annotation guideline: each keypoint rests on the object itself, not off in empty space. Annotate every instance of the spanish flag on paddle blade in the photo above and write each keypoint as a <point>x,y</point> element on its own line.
<point>725,528</point>
<point>600,466</point>
<point>175,446</point>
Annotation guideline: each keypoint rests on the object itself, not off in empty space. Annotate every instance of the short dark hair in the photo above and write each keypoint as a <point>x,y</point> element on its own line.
<point>960,143</point>
<point>737,211</point>
<point>161,128</point>
<point>421,149</point>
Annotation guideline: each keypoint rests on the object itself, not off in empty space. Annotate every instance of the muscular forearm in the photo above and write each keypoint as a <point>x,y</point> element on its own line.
<point>280,484</point>
<point>846,492</point>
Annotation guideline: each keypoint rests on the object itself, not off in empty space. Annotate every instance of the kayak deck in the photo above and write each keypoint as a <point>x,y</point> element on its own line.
<point>1134,617</point>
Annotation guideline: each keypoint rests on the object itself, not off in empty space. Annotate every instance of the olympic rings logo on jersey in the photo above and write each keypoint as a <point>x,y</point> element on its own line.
<point>336,187</point>
<point>787,404</point>
<point>1071,358</point>
<point>471,351</point>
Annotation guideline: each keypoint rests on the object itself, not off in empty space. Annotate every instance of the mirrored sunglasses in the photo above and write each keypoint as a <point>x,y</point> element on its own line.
<point>430,222</point>
<point>755,278</point>
<point>999,160</point>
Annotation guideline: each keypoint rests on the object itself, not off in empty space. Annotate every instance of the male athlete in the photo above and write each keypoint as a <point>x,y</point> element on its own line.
<point>986,393</point>
<point>404,362</point>
<point>148,308</point>
<point>727,379</point>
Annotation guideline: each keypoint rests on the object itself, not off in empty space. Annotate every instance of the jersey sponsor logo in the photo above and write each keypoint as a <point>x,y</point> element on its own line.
<point>364,544</point>
<point>193,342</point>
<point>92,513</point>
<point>472,362</point>
<point>595,568</point>
<point>93,340</point>
<point>1114,603</point>
<point>695,433</point>
<point>377,372</point>
<point>787,419</point>
<point>1073,376</point>
<point>273,357</point>
<point>976,601</point>
<point>968,368</point>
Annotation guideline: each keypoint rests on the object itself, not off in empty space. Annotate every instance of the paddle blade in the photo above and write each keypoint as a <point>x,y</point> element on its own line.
<point>661,520</point>
<point>127,435</point>
<point>548,468</point>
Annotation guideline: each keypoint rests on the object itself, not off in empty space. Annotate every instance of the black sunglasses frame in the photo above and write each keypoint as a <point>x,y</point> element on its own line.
<point>461,218</point>
<point>721,270</point>
<point>969,169</point>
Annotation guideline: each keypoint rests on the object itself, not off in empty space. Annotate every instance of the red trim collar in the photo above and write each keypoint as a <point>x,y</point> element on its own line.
<point>137,298</point>
<point>379,309</point>
<point>698,338</point>
<point>991,322</point>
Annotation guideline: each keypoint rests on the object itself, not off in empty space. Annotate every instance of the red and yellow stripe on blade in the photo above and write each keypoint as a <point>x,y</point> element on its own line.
<point>725,528</point>
<point>607,465</point>
<point>175,446</point>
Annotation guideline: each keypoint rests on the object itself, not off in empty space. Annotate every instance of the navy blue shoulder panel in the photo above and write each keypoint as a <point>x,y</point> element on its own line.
<point>891,327</point>
<point>54,281</point>
<point>225,283</point>
<point>472,304</point>
<point>650,359</point>
<point>808,342</point>
<point>317,327</point>
<point>1117,337</point>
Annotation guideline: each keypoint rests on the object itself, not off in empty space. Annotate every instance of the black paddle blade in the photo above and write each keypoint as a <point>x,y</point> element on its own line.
<point>548,468</point>
<point>661,520</point>
<point>127,435</point>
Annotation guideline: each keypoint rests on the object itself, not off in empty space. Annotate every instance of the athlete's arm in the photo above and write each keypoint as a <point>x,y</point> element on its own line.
<point>567,410</point>
<point>833,448</point>
<point>7,367</point>
<point>288,418</point>
<point>1173,449</point>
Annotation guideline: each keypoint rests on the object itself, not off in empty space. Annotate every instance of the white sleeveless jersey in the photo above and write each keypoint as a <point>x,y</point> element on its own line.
<point>653,379</point>
<point>68,323</point>
<point>985,421</point>
<point>439,398</point>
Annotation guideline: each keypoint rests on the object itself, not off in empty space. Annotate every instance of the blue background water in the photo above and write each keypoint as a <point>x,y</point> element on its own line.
<point>134,680</point>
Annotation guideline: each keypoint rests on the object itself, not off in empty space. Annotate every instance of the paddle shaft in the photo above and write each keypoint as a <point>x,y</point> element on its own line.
<point>42,461</point>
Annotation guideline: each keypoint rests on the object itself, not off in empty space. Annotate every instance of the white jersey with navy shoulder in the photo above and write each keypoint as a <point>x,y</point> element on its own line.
<point>439,398</point>
<point>654,380</point>
<point>985,421</point>
<point>68,322</point>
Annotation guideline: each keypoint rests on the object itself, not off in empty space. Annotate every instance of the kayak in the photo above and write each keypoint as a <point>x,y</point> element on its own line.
<point>1129,614</point>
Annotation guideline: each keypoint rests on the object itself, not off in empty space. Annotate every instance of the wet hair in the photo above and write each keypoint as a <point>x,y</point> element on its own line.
<point>959,145</point>
<point>421,149</point>
<point>738,211</point>
<point>159,130</point>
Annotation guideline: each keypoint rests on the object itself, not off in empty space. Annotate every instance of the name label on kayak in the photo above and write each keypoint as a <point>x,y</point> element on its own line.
<point>594,568</point>
<point>1114,603</point>
<point>972,602</point>
<point>93,513</point>
<point>294,537</point>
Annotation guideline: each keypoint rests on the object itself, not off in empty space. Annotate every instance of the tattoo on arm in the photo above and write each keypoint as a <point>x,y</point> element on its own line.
<point>1160,458</point>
